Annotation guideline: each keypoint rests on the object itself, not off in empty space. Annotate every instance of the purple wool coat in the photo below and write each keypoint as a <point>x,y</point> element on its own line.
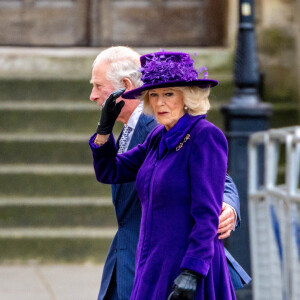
<point>180,177</point>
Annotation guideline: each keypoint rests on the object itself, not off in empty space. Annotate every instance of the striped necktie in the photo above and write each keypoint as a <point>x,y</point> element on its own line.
<point>124,137</point>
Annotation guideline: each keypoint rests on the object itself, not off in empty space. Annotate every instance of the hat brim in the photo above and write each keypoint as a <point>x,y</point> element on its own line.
<point>201,83</point>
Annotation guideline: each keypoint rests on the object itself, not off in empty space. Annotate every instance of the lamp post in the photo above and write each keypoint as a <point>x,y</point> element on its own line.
<point>243,115</point>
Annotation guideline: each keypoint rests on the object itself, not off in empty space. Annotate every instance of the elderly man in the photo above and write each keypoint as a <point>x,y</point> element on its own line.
<point>115,68</point>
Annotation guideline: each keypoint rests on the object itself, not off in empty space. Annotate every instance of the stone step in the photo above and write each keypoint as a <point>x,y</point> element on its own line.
<point>36,215</point>
<point>50,121</point>
<point>65,233</point>
<point>45,148</point>
<point>43,137</point>
<point>13,121</point>
<point>42,90</point>
<point>58,122</point>
<point>68,248</point>
<point>42,169</point>
<point>50,148</point>
<point>57,201</point>
<point>76,63</point>
<point>40,105</point>
<point>50,181</point>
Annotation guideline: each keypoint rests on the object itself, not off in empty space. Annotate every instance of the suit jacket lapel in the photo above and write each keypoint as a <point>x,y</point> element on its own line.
<point>115,187</point>
<point>142,128</point>
<point>140,132</point>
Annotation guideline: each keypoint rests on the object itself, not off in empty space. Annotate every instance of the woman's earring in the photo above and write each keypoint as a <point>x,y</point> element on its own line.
<point>185,107</point>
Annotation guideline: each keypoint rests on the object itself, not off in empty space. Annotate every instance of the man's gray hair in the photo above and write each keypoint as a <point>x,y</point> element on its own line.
<point>124,62</point>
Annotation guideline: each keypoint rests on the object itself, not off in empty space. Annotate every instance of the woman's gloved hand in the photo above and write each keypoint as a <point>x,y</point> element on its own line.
<point>185,285</point>
<point>110,112</point>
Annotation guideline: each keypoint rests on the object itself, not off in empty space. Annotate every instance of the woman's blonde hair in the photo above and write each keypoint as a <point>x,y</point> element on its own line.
<point>195,100</point>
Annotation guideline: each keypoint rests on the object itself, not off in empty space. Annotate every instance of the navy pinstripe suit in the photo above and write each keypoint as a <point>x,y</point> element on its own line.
<point>121,254</point>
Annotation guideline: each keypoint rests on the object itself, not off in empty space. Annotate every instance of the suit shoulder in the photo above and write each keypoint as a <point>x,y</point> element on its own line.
<point>147,119</point>
<point>146,122</point>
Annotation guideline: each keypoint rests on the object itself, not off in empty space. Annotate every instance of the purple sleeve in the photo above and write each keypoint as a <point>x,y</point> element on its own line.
<point>207,168</point>
<point>111,167</point>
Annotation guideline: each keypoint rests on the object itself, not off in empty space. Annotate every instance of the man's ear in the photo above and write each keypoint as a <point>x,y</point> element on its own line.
<point>127,84</point>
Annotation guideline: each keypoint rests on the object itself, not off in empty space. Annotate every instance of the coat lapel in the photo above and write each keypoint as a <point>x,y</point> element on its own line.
<point>178,135</point>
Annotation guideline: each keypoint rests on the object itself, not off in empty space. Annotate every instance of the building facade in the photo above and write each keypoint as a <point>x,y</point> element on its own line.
<point>105,22</point>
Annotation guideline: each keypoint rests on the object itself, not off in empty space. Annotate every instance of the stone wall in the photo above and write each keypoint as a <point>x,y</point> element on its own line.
<point>107,22</point>
<point>43,22</point>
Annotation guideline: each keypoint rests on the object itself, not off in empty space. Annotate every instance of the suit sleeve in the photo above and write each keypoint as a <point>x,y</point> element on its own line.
<point>207,170</point>
<point>231,197</point>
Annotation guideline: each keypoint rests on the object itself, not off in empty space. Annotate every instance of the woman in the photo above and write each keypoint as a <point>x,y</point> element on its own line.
<point>180,174</point>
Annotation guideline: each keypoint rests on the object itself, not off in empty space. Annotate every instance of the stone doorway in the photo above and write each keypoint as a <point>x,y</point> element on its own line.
<point>113,22</point>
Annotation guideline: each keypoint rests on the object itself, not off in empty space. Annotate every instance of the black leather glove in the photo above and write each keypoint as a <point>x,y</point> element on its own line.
<point>110,112</point>
<point>185,285</point>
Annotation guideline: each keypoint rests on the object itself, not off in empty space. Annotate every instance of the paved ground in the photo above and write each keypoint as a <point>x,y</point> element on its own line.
<point>49,282</point>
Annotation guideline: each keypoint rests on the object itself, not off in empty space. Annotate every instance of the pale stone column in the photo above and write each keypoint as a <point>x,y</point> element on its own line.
<point>297,42</point>
<point>232,23</point>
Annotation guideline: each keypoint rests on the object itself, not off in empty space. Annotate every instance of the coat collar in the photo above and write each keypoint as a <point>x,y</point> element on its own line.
<point>172,138</point>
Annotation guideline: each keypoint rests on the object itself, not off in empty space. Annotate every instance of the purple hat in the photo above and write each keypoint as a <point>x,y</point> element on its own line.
<point>168,69</point>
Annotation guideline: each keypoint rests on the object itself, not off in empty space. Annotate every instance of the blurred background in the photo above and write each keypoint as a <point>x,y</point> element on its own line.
<point>52,210</point>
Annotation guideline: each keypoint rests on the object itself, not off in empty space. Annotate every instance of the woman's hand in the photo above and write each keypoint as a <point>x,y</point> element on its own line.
<point>110,112</point>
<point>185,286</point>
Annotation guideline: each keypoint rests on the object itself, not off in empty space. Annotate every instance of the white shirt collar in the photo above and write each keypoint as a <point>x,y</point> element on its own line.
<point>135,116</point>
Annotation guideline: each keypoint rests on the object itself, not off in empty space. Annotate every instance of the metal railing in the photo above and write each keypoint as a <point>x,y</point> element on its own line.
<point>274,213</point>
